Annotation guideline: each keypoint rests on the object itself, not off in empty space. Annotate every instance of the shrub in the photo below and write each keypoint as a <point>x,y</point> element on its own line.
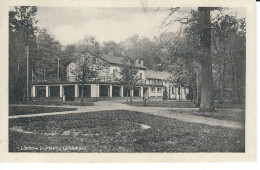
<point>188,96</point>
<point>165,93</point>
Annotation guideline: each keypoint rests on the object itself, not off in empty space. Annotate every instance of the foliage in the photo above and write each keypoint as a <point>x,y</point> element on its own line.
<point>47,55</point>
<point>112,47</point>
<point>229,57</point>
<point>22,33</point>
<point>128,74</point>
<point>87,61</point>
<point>165,93</point>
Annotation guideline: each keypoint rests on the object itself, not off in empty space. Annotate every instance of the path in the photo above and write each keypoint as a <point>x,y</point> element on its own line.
<point>158,111</point>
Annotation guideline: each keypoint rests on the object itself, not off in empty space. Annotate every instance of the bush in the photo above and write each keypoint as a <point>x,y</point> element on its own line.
<point>188,96</point>
<point>165,93</point>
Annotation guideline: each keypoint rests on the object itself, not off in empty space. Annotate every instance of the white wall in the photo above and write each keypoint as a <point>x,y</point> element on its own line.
<point>143,73</point>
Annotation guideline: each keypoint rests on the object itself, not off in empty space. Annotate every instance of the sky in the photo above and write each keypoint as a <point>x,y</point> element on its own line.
<point>71,24</point>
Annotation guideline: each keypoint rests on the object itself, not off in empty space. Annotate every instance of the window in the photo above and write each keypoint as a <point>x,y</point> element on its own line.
<point>141,75</point>
<point>152,89</point>
<point>159,90</point>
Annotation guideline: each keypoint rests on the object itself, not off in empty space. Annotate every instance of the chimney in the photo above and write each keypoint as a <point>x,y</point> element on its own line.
<point>142,62</point>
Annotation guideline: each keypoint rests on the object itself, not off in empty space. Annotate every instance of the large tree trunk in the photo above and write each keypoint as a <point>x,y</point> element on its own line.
<point>207,93</point>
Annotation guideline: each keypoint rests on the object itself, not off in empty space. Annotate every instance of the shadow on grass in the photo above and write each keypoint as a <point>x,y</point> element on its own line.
<point>119,131</point>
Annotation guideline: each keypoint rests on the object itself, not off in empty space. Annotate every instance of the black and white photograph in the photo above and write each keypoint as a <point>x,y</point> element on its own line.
<point>127,80</point>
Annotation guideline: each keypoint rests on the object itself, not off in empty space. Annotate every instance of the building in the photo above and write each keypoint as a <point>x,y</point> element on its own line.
<point>105,87</point>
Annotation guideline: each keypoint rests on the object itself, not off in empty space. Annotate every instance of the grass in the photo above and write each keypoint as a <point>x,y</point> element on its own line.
<point>119,131</point>
<point>55,103</point>
<point>230,115</point>
<point>183,104</point>
<point>22,110</point>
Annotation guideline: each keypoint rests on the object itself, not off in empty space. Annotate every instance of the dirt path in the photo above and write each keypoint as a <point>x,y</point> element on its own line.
<point>158,111</point>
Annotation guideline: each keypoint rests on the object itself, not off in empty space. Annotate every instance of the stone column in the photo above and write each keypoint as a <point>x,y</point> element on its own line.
<point>183,94</point>
<point>94,90</point>
<point>33,91</point>
<point>77,90</point>
<point>122,91</point>
<point>47,91</point>
<point>155,91</point>
<point>142,91</point>
<point>132,92</point>
<point>61,90</point>
<point>110,90</point>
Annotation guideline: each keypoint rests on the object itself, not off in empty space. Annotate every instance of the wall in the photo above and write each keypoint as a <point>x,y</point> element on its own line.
<point>143,73</point>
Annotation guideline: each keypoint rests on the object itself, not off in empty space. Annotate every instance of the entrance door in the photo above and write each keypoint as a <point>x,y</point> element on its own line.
<point>69,92</point>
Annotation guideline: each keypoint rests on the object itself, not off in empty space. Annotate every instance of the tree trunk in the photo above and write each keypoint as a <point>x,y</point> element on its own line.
<point>220,100</point>
<point>127,95</point>
<point>194,91</point>
<point>207,93</point>
<point>199,81</point>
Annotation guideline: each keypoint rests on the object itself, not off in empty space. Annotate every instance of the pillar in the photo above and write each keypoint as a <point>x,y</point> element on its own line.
<point>122,91</point>
<point>131,92</point>
<point>183,94</point>
<point>110,90</point>
<point>61,90</point>
<point>155,91</point>
<point>142,91</point>
<point>77,90</point>
<point>47,91</point>
<point>33,92</point>
<point>94,90</point>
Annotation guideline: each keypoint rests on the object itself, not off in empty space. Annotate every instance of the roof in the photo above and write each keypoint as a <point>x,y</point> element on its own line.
<point>117,60</point>
<point>111,60</point>
<point>157,74</point>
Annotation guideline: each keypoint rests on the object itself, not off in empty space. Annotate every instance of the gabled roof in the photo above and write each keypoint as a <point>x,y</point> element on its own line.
<point>117,60</point>
<point>151,74</point>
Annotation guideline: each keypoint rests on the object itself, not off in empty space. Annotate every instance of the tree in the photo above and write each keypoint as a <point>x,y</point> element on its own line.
<point>48,50</point>
<point>22,33</point>
<point>128,75</point>
<point>87,68</point>
<point>87,61</point>
<point>228,54</point>
<point>207,91</point>
<point>198,25</point>
<point>112,47</point>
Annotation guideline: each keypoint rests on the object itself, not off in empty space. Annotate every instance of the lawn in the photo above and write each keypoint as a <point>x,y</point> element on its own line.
<point>55,103</point>
<point>22,110</point>
<point>230,115</point>
<point>184,104</point>
<point>119,131</point>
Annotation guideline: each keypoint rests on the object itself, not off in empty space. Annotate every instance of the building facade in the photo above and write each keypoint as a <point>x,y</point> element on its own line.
<point>150,86</point>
